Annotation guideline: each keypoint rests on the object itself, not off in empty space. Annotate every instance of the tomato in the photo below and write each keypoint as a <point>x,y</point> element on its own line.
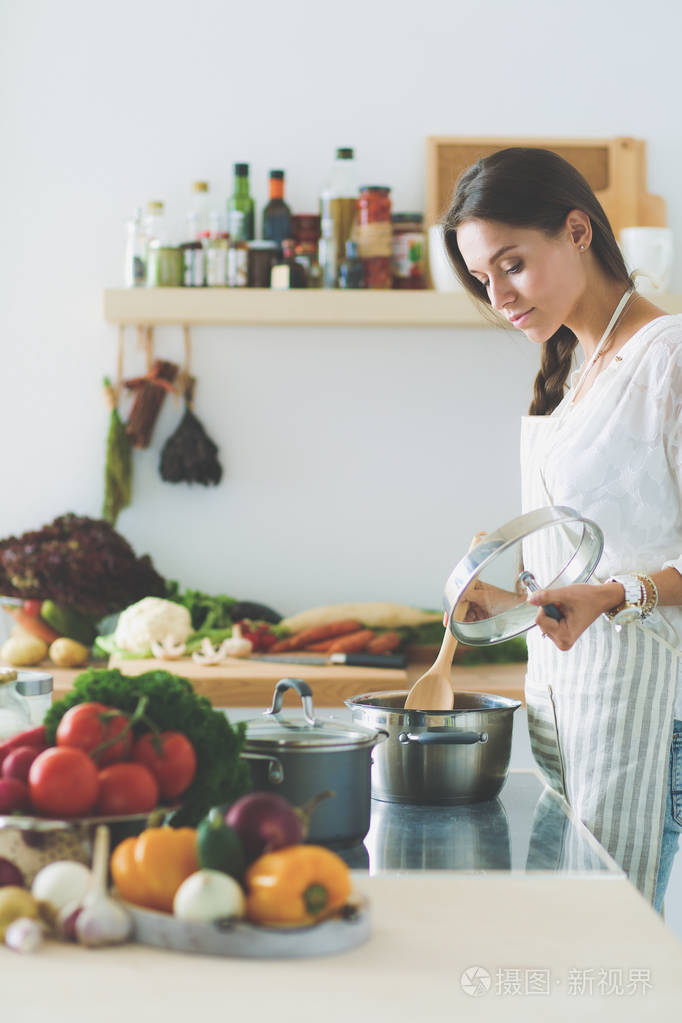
<point>126,788</point>
<point>63,782</point>
<point>173,766</point>
<point>87,725</point>
<point>17,763</point>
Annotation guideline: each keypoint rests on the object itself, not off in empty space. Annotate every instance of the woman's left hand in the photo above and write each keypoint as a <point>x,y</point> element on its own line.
<point>579,605</point>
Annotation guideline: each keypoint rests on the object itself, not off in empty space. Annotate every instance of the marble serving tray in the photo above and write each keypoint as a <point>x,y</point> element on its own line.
<point>242,940</point>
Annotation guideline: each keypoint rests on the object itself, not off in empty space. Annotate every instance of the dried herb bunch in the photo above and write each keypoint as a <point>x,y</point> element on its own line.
<point>189,455</point>
<point>79,562</point>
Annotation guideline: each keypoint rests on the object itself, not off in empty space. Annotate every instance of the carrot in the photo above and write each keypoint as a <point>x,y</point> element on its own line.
<point>31,624</point>
<point>385,643</point>
<point>320,647</point>
<point>352,642</point>
<point>320,633</point>
<point>282,646</point>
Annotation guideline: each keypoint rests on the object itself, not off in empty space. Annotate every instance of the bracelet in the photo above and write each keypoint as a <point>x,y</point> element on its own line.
<point>651,594</point>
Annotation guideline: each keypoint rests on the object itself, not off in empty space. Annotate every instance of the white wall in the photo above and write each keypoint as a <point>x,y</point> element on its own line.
<point>357,462</point>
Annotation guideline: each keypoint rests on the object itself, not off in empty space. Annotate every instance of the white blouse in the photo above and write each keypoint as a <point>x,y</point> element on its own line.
<point>616,456</point>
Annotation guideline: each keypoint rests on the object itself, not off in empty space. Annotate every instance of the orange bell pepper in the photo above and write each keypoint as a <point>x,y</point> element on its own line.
<point>297,885</point>
<point>148,869</point>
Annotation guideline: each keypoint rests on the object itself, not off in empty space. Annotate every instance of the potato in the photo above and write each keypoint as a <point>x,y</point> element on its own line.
<point>67,653</point>
<point>23,651</point>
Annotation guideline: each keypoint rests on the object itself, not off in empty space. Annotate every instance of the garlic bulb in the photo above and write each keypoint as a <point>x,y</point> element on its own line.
<point>102,921</point>
<point>24,935</point>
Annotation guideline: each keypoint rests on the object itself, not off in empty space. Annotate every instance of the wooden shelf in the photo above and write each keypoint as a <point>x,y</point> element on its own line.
<point>263,307</point>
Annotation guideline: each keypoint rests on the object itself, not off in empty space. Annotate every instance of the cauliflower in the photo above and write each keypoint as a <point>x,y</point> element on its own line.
<point>151,620</point>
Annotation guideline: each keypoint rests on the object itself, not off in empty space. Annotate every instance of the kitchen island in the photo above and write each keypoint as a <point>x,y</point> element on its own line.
<point>507,910</point>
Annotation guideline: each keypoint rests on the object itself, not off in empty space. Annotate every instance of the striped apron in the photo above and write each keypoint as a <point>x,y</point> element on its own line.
<point>600,715</point>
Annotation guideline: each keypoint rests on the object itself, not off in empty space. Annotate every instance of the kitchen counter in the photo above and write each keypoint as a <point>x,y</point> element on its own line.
<point>444,947</point>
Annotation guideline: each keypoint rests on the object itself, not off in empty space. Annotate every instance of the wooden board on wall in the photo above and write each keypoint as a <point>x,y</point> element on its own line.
<point>615,168</point>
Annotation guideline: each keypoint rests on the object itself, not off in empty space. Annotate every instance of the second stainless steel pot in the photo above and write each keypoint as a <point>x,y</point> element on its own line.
<point>299,757</point>
<point>451,757</point>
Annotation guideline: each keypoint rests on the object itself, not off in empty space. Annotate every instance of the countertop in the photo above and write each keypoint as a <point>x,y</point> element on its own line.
<point>444,946</point>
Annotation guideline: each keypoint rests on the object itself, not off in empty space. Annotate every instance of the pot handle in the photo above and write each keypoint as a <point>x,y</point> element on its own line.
<point>303,690</point>
<point>275,769</point>
<point>428,738</point>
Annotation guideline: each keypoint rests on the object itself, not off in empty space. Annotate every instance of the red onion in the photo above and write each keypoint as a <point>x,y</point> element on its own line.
<point>264,822</point>
<point>17,763</point>
<point>10,874</point>
<point>13,795</point>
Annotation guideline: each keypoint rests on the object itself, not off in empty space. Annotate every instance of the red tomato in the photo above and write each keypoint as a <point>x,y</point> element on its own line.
<point>126,788</point>
<point>173,766</point>
<point>87,725</point>
<point>63,782</point>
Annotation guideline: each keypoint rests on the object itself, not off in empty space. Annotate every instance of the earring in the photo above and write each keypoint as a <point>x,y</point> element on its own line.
<point>582,248</point>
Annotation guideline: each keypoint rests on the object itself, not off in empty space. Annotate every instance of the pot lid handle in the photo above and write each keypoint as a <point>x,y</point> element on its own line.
<point>303,690</point>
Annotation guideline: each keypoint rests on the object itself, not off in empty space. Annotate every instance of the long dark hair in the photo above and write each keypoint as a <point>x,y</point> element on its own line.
<point>525,187</point>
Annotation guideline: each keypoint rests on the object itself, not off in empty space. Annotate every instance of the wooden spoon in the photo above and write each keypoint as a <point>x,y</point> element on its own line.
<point>434,689</point>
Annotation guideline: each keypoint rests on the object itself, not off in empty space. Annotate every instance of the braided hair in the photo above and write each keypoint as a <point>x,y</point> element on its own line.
<point>536,188</point>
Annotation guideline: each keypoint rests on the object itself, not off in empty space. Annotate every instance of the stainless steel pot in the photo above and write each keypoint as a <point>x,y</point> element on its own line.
<point>440,757</point>
<point>300,756</point>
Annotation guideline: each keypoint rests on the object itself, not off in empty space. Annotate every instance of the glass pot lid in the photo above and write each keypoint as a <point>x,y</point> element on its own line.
<point>485,597</point>
<point>304,731</point>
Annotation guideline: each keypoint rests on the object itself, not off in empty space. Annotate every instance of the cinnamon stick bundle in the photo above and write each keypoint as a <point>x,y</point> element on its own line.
<point>150,390</point>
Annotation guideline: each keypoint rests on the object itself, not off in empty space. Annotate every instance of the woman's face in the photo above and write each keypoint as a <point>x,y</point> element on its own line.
<point>532,279</point>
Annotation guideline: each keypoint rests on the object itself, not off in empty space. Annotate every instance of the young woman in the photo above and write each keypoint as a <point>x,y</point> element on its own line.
<point>528,237</point>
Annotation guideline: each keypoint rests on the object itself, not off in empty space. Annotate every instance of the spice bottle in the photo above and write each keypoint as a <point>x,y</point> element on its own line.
<point>240,206</point>
<point>199,211</point>
<point>216,249</point>
<point>287,272</point>
<point>276,213</point>
<point>352,270</point>
<point>374,235</point>
<point>135,266</point>
<point>338,208</point>
<point>408,250</point>
<point>237,254</point>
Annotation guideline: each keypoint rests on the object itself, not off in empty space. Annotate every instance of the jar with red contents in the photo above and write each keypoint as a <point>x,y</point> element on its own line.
<point>374,235</point>
<point>408,250</point>
<point>306,237</point>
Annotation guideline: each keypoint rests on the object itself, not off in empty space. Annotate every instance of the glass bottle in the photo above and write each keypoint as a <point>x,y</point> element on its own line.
<point>287,272</point>
<point>276,213</point>
<point>199,211</point>
<point>240,202</point>
<point>352,269</point>
<point>338,208</point>
<point>135,267</point>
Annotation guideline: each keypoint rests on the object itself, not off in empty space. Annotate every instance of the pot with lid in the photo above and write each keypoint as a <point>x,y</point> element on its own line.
<point>299,756</point>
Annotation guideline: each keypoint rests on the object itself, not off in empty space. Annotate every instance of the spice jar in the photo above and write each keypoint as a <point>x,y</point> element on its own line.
<point>165,266</point>
<point>261,256</point>
<point>374,235</point>
<point>408,250</point>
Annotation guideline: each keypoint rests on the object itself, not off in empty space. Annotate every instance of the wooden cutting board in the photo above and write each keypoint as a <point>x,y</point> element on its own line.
<point>240,682</point>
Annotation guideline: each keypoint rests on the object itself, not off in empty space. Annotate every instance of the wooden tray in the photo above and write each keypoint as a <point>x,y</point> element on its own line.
<point>245,941</point>
<point>615,168</point>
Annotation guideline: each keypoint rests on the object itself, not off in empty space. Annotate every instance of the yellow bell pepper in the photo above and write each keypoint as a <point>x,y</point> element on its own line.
<point>148,869</point>
<point>297,885</point>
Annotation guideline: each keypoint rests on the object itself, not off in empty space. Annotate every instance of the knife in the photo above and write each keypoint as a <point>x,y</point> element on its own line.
<point>351,660</point>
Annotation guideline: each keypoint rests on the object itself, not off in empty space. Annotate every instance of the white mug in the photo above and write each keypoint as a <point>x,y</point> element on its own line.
<point>443,276</point>
<point>648,252</point>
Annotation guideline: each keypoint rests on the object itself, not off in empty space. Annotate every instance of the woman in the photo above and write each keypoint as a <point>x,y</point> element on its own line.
<point>528,237</point>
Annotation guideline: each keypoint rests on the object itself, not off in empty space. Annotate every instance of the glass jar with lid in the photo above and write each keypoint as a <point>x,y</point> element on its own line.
<point>408,250</point>
<point>374,235</point>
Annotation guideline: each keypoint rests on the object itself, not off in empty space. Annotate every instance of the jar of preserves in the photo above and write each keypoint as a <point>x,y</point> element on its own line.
<point>374,235</point>
<point>261,256</point>
<point>408,250</point>
<point>165,266</point>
